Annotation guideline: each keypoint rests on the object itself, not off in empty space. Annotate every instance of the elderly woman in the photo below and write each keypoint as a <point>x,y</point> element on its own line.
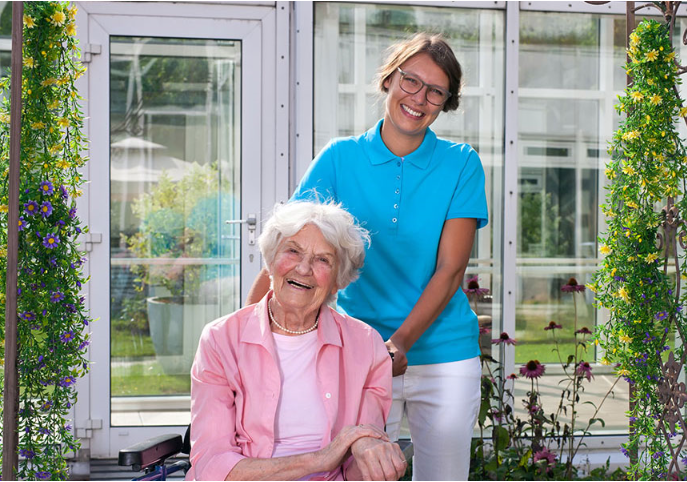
<point>288,388</point>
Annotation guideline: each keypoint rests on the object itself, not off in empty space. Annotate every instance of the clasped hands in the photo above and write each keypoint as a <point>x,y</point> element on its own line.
<point>375,456</point>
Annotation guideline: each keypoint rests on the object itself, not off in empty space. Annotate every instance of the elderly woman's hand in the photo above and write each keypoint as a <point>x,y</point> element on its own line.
<point>338,450</point>
<point>379,459</point>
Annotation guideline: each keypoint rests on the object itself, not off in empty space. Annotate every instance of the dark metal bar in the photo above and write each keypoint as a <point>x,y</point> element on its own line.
<point>10,458</point>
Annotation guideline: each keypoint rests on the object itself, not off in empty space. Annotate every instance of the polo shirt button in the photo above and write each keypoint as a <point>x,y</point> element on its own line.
<point>328,395</point>
<point>394,220</point>
<point>398,178</point>
<point>395,206</point>
<point>398,164</point>
<point>397,191</point>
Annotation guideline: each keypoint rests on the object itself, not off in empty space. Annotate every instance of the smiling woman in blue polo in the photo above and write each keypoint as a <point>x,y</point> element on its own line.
<point>422,199</point>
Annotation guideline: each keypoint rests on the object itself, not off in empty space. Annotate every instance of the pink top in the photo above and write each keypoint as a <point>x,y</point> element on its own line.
<point>236,386</point>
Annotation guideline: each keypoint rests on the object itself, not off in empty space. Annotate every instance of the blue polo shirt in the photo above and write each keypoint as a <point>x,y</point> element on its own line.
<point>403,202</point>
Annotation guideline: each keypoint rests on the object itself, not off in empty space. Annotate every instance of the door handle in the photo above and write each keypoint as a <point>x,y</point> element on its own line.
<point>251,221</point>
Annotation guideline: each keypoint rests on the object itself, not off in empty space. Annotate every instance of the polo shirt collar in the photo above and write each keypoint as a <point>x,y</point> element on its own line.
<point>258,330</point>
<point>378,153</point>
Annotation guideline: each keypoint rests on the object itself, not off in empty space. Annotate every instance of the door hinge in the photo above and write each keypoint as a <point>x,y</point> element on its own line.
<point>90,239</point>
<point>88,51</point>
<point>86,431</point>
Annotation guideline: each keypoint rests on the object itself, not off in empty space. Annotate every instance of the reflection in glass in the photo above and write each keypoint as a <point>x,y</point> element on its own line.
<point>567,85</point>
<point>175,171</point>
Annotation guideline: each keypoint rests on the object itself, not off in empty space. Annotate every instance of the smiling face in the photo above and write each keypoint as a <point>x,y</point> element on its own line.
<point>407,116</point>
<point>304,271</point>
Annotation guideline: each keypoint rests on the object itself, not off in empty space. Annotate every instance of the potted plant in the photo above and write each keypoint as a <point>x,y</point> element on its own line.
<point>181,228</point>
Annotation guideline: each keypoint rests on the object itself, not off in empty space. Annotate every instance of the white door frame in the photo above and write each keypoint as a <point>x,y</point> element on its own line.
<point>255,25</point>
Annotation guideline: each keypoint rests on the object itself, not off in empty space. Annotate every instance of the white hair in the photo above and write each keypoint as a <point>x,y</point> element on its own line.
<point>337,225</point>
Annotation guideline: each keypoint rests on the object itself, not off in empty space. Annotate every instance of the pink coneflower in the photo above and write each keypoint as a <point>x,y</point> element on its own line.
<point>474,289</point>
<point>585,370</point>
<point>572,287</point>
<point>544,454</point>
<point>532,369</point>
<point>483,330</point>
<point>504,338</point>
<point>583,331</point>
<point>553,326</point>
<point>512,376</point>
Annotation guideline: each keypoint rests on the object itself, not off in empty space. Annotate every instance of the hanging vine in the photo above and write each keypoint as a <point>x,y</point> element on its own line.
<point>52,317</point>
<point>648,167</point>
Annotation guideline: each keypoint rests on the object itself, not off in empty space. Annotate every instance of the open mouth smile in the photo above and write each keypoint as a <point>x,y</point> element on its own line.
<point>411,112</point>
<point>298,284</point>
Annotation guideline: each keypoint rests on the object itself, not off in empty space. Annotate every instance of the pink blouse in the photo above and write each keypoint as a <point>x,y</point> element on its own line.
<point>235,386</point>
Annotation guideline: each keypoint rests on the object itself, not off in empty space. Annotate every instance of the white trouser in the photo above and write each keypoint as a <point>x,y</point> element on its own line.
<point>441,402</point>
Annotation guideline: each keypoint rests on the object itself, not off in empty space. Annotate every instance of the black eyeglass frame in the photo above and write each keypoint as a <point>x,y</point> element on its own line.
<point>423,84</point>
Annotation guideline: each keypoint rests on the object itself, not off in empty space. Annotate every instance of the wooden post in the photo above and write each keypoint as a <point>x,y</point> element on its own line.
<point>10,458</point>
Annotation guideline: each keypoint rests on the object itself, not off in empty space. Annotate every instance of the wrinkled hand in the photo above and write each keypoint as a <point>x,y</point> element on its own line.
<point>338,450</point>
<point>400,363</point>
<point>379,459</point>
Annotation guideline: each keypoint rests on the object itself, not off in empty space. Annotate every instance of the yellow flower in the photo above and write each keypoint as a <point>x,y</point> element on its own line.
<point>38,125</point>
<point>603,249</point>
<point>623,373</point>
<point>58,18</point>
<point>49,81</point>
<point>625,339</point>
<point>29,22</point>
<point>632,204</point>
<point>54,104</point>
<point>683,112</point>
<point>669,57</point>
<point>651,56</point>
<point>4,208</point>
<point>628,136</point>
<point>629,170</point>
<point>72,12</point>
<point>650,81</point>
<point>591,287</point>
<point>634,39</point>
<point>28,63</point>
<point>604,361</point>
<point>656,99</point>
<point>636,96</point>
<point>55,148</point>
<point>610,173</point>
<point>622,293</point>
<point>650,258</point>
<point>71,29</point>
<point>62,164</point>
<point>63,122</point>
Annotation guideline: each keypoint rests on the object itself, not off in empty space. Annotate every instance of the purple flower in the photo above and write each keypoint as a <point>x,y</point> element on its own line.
<point>532,369</point>
<point>44,431</point>
<point>544,454</point>
<point>27,315</point>
<point>70,307</point>
<point>67,336</point>
<point>67,427</point>
<point>504,338</point>
<point>63,192</point>
<point>46,187</point>
<point>512,376</point>
<point>51,240</point>
<point>52,261</point>
<point>552,326</point>
<point>67,381</point>
<point>474,289</point>
<point>72,213</point>
<point>583,331</point>
<point>26,453</point>
<point>31,208</point>
<point>84,344</point>
<point>56,296</point>
<point>661,316</point>
<point>585,370</point>
<point>572,287</point>
<point>22,223</point>
<point>625,452</point>
<point>46,209</point>
<point>42,475</point>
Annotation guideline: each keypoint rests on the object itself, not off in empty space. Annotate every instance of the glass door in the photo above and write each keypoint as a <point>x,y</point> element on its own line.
<point>176,114</point>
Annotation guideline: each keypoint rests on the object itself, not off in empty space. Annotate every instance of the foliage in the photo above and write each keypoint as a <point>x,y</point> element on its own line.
<point>543,445</point>
<point>540,238</point>
<point>179,220</point>
<point>648,166</point>
<point>52,317</point>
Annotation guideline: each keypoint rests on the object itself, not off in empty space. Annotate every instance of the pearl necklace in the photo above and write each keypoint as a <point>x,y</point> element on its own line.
<point>269,311</point>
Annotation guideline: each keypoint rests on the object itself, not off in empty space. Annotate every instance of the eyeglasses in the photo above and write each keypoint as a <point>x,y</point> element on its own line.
<point>410,84</point>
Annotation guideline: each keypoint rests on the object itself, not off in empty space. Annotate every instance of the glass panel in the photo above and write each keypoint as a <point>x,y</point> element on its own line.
<point>350,42</point>
<point>568,84</point>
<point>175,178</point>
